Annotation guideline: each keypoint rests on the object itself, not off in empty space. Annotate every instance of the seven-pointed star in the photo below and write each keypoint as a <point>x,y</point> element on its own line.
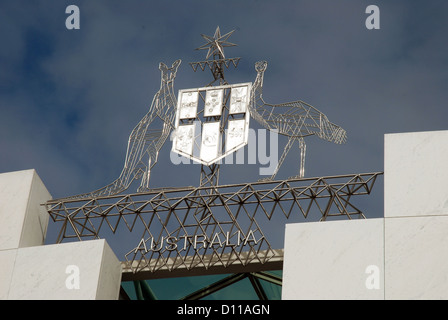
<point>216,43</point>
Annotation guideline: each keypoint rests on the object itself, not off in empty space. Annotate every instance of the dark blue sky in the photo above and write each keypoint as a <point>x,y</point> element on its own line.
<point>70,98</point>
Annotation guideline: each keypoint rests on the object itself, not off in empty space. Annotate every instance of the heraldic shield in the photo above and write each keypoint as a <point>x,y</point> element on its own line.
<point>212,122</point>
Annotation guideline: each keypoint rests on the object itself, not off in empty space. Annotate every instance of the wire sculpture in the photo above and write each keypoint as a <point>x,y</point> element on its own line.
<point>296,120</point>
<point>215,59</point>
<point>146,140</point>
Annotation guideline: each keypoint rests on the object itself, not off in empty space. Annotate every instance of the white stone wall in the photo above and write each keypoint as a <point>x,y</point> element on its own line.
<point>85,270</point>
<point>31,270</point>
<point>23,220</point>
<point>328,260</point>
<point>416,215</point>
<point>401,256</point>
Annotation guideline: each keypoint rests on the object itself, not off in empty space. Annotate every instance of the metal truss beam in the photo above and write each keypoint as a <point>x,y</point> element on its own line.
<point>197,214</point>
<point>275,263</point>
<point>254,278</point>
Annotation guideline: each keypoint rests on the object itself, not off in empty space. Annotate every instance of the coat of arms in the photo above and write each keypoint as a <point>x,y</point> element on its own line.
<point>212,122</point>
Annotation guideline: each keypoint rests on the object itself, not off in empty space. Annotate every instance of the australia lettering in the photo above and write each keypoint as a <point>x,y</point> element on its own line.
<point>197,242</point>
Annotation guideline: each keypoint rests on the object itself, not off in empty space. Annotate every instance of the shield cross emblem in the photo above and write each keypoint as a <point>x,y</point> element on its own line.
<point>212,122</point>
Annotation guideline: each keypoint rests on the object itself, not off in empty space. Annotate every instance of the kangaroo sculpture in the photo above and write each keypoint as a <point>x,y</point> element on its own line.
<point>145,141</point>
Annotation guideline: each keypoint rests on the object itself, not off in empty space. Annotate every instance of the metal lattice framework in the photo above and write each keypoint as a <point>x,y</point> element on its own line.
<point>198,214</point>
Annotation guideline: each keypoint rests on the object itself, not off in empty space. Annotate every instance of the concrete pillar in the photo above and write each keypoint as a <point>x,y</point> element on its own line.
<point>87,270</point>
<point>23,220</point>
<point>334,260</point>
<point>416,215</point>
<point>404,252</point>
<point>31,270</point>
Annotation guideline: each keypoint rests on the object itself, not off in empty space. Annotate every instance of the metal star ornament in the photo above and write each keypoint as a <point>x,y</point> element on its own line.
<point>216,44</point>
